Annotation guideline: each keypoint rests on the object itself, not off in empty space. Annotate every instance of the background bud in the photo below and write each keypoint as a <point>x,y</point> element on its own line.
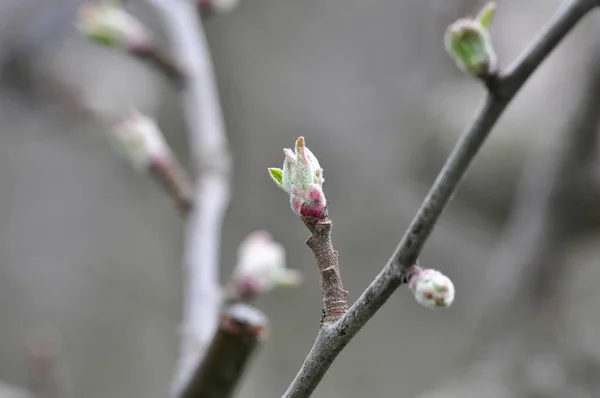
<point>139,139</point>
<point>108,23</point>
<point>260,267</point>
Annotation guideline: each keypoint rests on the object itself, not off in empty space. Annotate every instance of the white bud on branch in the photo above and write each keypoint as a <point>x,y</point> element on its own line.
<point>302,178</point>
<point>260,267</point>
<point>431,288</point>
<point>140,140</point>
<point>469,43</point>
<point>109,24</point>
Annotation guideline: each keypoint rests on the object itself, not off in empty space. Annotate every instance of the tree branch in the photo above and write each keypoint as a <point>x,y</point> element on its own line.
<point>176,182</point>
<point>241,330</point>
<point>521,315</point>
<point>335,298</point>
<point>161,62</point>
<point>333,338</point>
<point>210,153</point>
<point>554,197</point>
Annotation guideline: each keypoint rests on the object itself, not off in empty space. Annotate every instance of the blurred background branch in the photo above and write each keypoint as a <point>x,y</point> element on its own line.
<point>208,141</point>
<point>523,347</point>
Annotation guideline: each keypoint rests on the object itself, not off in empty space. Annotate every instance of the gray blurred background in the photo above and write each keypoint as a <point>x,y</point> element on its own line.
<point>89,246</point>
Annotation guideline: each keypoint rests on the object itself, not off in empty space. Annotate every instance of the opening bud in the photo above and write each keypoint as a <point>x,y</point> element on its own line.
<point>302,178</point>
<point>469,43</point>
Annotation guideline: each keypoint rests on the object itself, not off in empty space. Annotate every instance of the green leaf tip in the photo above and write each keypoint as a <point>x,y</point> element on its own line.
<point>486,15</point>
<point>277,176</point>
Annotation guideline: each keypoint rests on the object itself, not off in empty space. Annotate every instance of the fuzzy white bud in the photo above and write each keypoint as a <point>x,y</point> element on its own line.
<point>261,267</point>
<point>108,23</point>
<point>431,288</point>
<point>140,140</point>
<point>302,178</point>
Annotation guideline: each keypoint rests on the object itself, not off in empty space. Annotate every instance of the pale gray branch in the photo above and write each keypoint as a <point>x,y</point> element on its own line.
<point>332,339</point>
<point>520,321</point>
<point>202,111</point>
<point>554,198</point>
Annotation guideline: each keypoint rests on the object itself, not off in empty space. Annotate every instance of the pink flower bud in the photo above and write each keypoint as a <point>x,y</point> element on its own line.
<point>431,288</point>
<point>139,139</point>
<point>261,267</point>
<point>302,178</point>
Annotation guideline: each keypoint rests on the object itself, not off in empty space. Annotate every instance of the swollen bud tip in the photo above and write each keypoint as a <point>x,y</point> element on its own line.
<point>302,178</point>
<point>431,288</point>
<point>469,43</point>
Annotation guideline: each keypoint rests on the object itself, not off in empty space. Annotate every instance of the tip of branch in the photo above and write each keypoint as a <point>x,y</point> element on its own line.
<point>244,319</point>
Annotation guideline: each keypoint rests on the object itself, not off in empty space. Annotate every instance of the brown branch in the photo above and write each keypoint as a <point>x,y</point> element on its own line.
<point>335,298</point>
<point>241,330</point>
<point>176,182</point>
<point>160,61</point>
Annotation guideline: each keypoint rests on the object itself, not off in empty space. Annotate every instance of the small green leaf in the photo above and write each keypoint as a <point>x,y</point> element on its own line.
<point>486,15</point>
<point>106,36</point>
<point>277,176</point>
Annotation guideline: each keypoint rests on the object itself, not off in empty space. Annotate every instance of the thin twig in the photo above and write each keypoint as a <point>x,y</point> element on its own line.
<point>332,339</point>
<point>161,61</point>
<point>335,298</point>
<point>202,110</point>
<point>527,272</point>
<point>176,182</point>
<point>241,330</point>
